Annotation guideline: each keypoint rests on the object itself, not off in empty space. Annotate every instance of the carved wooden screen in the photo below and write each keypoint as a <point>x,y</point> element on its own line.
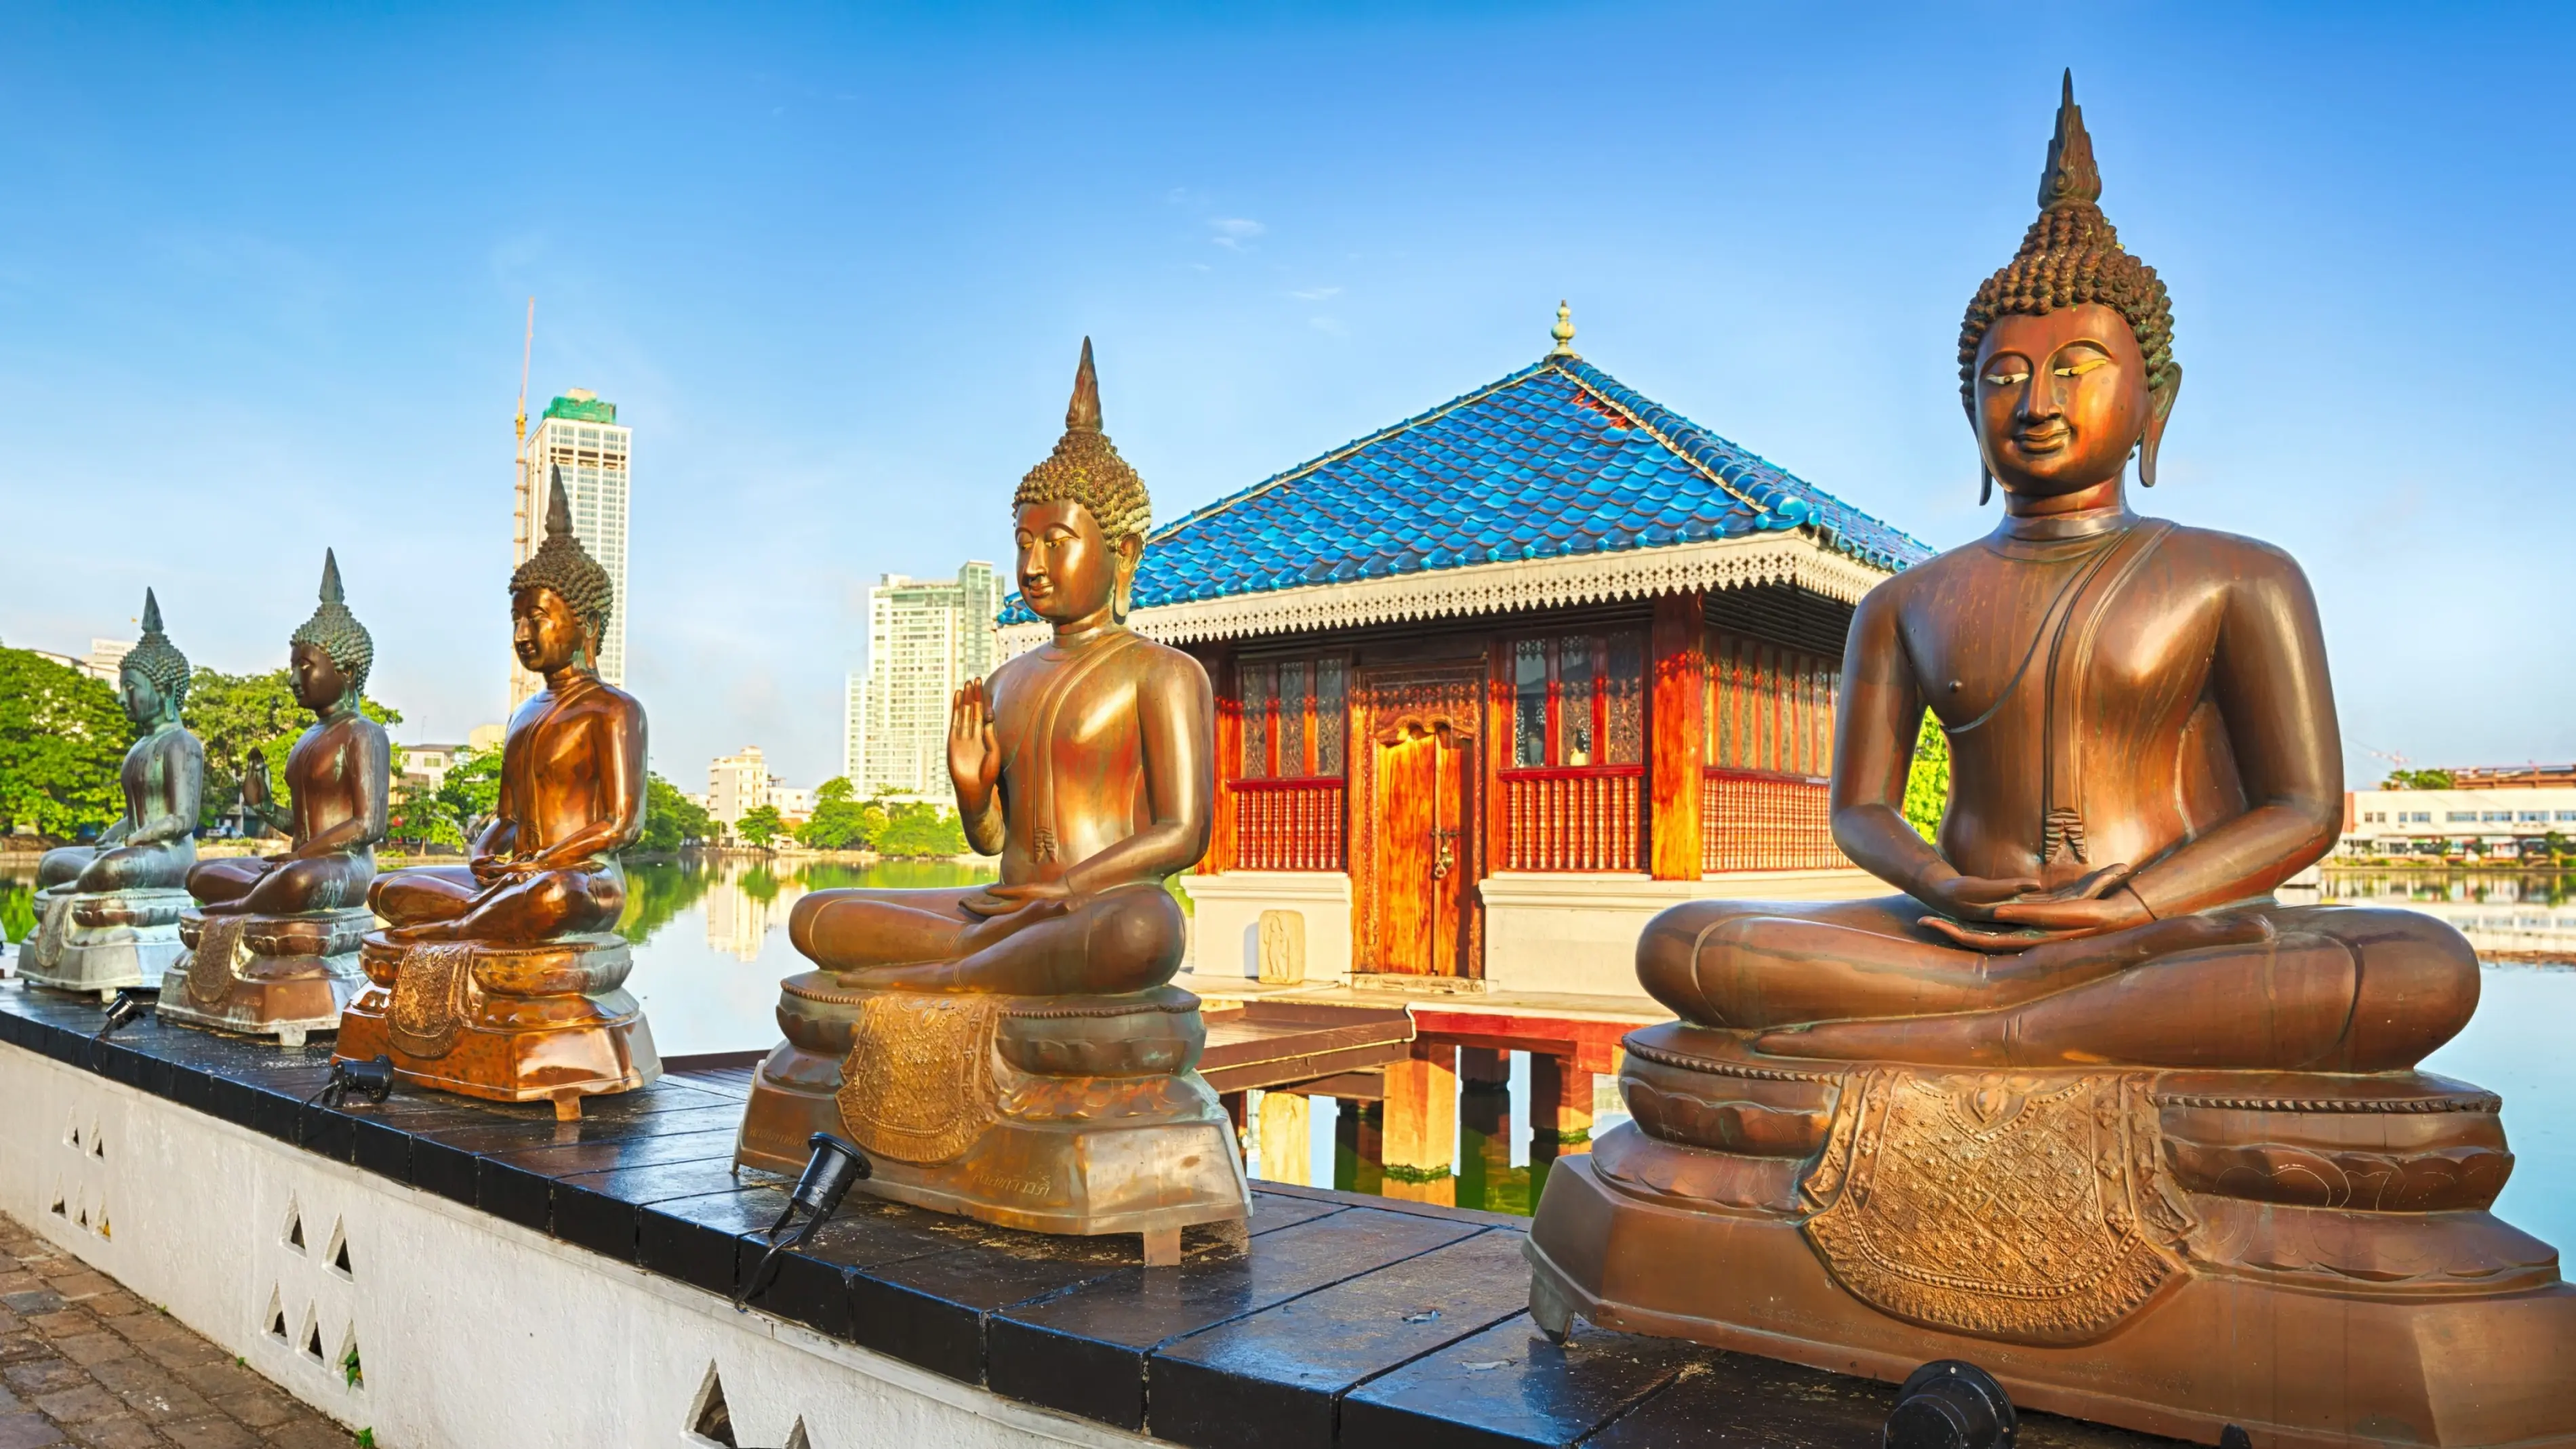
<point>1770,747</point>
<point>1289,787</point>
<point>1574,787</point>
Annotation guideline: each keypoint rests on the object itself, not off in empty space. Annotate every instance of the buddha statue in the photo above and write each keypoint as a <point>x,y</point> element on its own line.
<point>1015,1052</point>
<point>273,940</point>
<point>108,914</point>
<point>503,978</point>
<point>2084,1102</point>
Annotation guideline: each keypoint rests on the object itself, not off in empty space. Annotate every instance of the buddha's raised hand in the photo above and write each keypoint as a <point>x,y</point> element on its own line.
<point>974,758</point>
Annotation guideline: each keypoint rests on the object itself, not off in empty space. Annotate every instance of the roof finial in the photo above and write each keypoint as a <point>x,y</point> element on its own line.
<point>2071,177</point>
<point>1082,415</point>
<point>1563,332</point>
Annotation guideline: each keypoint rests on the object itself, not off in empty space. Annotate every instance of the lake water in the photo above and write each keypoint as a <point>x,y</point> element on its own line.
<point>712,945</point>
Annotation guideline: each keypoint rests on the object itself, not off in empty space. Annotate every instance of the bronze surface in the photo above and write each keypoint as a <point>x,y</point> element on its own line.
<point>496,978</point>
<point>2084,1104</point>
<point>1013,1052</point>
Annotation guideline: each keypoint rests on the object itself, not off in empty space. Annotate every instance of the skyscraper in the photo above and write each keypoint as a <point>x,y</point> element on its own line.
<point>926,638</point>
<point>579,434</point>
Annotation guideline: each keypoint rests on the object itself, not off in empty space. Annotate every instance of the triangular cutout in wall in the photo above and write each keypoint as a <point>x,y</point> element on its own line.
<point>339,1254</point>
<point>711,1420</point>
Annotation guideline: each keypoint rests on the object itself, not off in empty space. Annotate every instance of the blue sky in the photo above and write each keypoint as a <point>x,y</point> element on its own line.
<point>262,272</point>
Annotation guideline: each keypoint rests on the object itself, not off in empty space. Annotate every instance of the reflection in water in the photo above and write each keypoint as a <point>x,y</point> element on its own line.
<point>711,939</point>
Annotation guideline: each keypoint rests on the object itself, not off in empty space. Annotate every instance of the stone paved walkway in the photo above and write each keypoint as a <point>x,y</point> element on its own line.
<point>82,1361</point>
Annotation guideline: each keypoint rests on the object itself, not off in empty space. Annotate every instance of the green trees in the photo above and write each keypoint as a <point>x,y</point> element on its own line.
<point>233,714</point>
<point>671,819</point>
<point>2402,779</point>
<point>840,821</point>
<point>1927,785</point>
<point>760,826</point>
<point>917,831</point>
<point>62,736</point>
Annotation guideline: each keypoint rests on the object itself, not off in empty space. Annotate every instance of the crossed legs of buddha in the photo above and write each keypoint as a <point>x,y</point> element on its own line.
<point>1122,940</point>
<point>448,903</point>
<point>89,870</point>
<point>279,887</point>
<point>2282,988</point>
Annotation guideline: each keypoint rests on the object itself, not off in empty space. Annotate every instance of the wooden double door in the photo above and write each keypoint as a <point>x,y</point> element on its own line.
<point>1416,819</point>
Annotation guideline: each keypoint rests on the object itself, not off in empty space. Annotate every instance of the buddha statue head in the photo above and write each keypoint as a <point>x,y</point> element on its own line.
<point>559,598</point>
<point>153,680</point>
<point>1080,517</point>
<point>2066,360</point>
<point>332,651</point>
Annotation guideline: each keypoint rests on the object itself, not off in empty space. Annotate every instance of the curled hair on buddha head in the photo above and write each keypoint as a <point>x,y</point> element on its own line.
<point>337,631</point>
<point>563,565</point>
<point>1086,469</point>
<point>156,658</point>
<point>2071,256</point>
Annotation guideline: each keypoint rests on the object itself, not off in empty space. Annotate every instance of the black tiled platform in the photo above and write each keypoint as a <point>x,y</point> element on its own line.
<point>1353,1321</point>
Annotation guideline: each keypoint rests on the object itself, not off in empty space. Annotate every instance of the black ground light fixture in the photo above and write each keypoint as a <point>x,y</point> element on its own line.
<point>373,1080</point>
<point>828,1175</point>
<point>1951,1404</point>
<point>128,1008</point>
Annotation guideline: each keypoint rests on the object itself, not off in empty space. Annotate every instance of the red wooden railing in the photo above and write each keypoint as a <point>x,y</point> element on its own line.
<point>1574,818</point>
<point>1750,821</point>
<point>1288,824</point>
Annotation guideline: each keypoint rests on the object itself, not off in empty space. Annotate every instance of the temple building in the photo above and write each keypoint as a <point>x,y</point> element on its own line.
<point>1497,683</point>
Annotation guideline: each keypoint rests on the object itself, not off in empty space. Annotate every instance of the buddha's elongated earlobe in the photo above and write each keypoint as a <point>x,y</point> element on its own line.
<point>1985,485</point>
<point>2160,401</point>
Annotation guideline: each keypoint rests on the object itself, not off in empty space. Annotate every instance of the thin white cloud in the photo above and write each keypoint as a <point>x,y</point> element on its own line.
<point>1231,232</point>
<point>1316,294</point>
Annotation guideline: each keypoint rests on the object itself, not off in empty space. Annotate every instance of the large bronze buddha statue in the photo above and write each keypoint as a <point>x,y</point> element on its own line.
<point>503,978</point>
<point>1014,1052</point>
<point>108,914</point>
<point>2084,1103</point>
<point>273,941</point>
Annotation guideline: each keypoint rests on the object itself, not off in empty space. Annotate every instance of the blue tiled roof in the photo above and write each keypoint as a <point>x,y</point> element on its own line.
<point>1554,460</point>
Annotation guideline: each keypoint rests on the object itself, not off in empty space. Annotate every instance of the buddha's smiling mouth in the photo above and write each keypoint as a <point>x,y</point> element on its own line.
<point>2050,439</point>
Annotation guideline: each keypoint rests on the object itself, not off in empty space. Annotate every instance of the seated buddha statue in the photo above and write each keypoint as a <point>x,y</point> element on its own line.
<point>2084,1085</point>
<point>970,1038</point>
<point>109,912</point>
<point>502,978</point>
<point>273,940</point>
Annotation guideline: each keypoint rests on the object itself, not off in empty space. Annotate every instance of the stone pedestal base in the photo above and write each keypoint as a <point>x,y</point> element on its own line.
<point>103,942</point>
<point>280,976</point>
<point>546,1022</point>
<point>2307,1257</point>
<point>1057,1115</point>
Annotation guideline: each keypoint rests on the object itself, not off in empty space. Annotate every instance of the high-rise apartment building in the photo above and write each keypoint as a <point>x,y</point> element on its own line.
<point>579,435</point>
<point>106,657</point>
<point>926,638</point>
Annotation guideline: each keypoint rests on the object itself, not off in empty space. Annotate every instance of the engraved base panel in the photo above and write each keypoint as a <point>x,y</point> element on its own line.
<point>102,942</point>
<point>549,1022</point>
<point>286,977</point>
<point>2306,1256</point>
<point>1056,1115</point>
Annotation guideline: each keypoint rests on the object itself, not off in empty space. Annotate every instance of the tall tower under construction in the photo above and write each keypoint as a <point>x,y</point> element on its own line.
<point>579,435</point>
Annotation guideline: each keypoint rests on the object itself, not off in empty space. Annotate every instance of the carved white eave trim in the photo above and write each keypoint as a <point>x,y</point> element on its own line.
<point>1495,588</point>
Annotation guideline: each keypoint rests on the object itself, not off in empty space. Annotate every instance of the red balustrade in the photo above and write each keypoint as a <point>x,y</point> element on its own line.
<point>1574,818</point>
<point>1288,824</point>
<point>1751,821</point>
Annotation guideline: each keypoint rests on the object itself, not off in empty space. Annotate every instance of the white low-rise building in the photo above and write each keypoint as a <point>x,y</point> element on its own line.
<point>2512,820</point>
